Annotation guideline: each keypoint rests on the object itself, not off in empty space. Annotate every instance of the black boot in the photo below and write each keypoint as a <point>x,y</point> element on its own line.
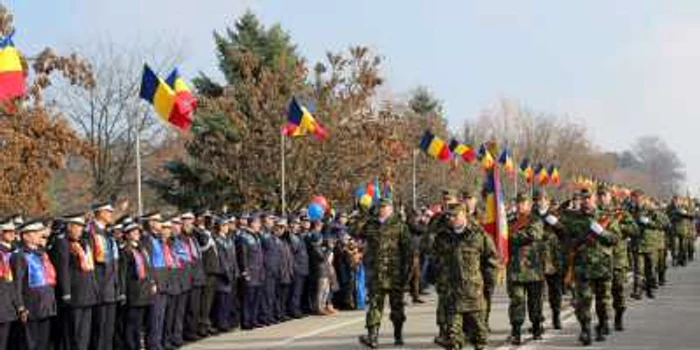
<point>443,338</point>
<point>585,337</point>
<point>515,336</point>
<point>605,327</point>
<point>370,340</point>
<point>556,321</point>
<point>537,331</point>
<point>618,320</point>
<point>599,335</point>
<point>650,293</point>
<point>398,334</point>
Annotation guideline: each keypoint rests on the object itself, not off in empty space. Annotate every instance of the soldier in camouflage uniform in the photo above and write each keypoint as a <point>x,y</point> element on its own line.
<point>441,246</point>
<point>624,228</point>
<point>662,244</point>
<point>553,255</point>
<point>469,261</point>
<point>525,273</point>
<point>650,234</point>
<point>591,249</point>
<point>387,260</point>
<point>682,229</point>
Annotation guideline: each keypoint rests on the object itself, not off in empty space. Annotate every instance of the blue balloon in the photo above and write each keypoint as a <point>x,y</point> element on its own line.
<point>360,191</point>
<point>315,211</point>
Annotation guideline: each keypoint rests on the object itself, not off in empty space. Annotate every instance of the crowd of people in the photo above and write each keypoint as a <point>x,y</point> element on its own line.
<point>87,281</point>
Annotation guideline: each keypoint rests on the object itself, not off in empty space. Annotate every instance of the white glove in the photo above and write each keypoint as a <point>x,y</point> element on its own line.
<point>551,219</point>
<point>644,220</point>
<point>596,228</point>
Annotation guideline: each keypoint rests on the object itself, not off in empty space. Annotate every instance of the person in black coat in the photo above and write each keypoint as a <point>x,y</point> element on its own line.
<point>174,274</point>
<point>139,285</point>
<point>35,281</point>
<point>301,268</point>
<point>9,301</point>
<point>77,288</point>
<point>286,277</point>
<point>272,250</point>
<point>194,303</point>
<point>161,259</point>
<point>251,264</point>
<point>183,258</point>
<point>226,276</point>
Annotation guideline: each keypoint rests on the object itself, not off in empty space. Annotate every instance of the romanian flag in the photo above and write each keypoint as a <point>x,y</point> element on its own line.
<point>171,107</point>
<point>527,171</point>
<point>495,220</point>
<point>485,158</point>
<point>5,267</point>
<point>466,152</point>
<point>435,146</point>
<point>182,91</point>
<point>542,175</point>
<point>554,177</point>
<point>507,162</point>
<point>12,83</point>
<point>301,122</point>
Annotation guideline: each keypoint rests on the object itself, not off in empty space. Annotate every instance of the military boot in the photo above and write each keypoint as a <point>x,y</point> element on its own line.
<point>537,331</point>
<point>398,334</point>
<point>442,339</point>
<point>556,321</point>
<point>618,319</point>
<point>599,335</point>
<point>605,327</point>
<point>650,293</point>
<point>371,339</point>
<point>585,337</point>
<point>515,336</point>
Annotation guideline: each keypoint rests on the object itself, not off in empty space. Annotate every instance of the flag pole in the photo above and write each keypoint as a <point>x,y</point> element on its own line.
<point>139,197</point>
<point>413,177</point>
<point>283,187</point>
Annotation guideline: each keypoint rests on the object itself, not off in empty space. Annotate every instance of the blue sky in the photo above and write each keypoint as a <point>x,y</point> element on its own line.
<point>626,68</point>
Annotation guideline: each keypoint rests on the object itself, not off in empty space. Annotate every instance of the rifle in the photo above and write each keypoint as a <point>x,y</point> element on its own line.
<point>604,221</point>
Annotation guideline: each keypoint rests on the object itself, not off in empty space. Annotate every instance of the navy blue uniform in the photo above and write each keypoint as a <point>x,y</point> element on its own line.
<point>140,286</point>
<point>9,301</point>
<point>161,263</point>
<point>211,267</point>
<point>105,252</point>
<point>251,261</point>
<point>301,272</point>
<point>198,280</point>
<point>272,250</point>
<point>223,312</point>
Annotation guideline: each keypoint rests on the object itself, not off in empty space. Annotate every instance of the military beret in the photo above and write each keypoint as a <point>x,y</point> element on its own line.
<point>385,202</point>
<point>521,197</point>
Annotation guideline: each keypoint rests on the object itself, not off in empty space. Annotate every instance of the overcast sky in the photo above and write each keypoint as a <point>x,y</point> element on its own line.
<point>628,68</point>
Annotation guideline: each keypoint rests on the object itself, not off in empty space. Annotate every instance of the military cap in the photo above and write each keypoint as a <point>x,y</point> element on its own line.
<point>106,206</point>
<point>166,224</point>
<point>521,197</point>
<point>17,220</point>
<point>281,222</point>
<point>245,216</point>
<point>255,216</point>
<point>131,226</point>
<point>77,219</point>
<point>7,224</point>
<point>585,193</point>
<point>539,194</point>
<point>385,202</point>
<point>176,220</point>
<point>32,226</point>
<point>153,216</point>
<point>295,220</point>
<point>122,219</point>
<point>187,216</point>
<point>456,208</point>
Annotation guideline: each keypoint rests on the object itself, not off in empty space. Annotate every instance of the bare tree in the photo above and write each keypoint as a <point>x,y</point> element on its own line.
<point>663,166</point>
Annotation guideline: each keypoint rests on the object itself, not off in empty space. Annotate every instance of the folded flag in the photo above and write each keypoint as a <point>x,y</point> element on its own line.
<point>507,162</point>
<point>435,146</point>
<point>466,152</point>
<point>301,122</point>
<point>12,83</point>
<point>554,177</point>
<point>485,158</point>
<point>166,103</point>
<point>527,171</point>
<point>542,175</point>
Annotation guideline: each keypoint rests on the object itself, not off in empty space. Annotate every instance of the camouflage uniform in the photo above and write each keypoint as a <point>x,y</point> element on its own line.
<point>651,227</point>
<point>468,262</point>
<point>553,257</point>
<point>593,268</point>
<point>525,274</point>
<point>387,261</point>
<point>439,250</point>
<point>662,247</point>
<point>681,230</point>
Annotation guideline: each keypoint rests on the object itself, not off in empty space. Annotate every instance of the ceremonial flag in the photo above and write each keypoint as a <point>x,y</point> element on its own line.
<point>527,171</point>
<point>554,177</point>
<point>495,221</point>
<point>301,122</point>
<point>435,146</point>
<point>182,91</point>
<point>166,103</point>
<point>12,83</point>
<point>466,152</point>
<point>542,175</point>
<point>507,162</point>
<point>485,158</point>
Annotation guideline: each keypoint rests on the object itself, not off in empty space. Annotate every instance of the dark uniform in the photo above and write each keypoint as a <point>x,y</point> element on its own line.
<point>140,289</point>
<point>250,260</point>
<point>9,301</point>
<point>161,263</point>
<point>272,247</point>
<point>301,273</point>
<point>178,285</point>
<point>77,290</point>
<point>553,263</point>
<point>210,262</point>
<point>106,255</point>
<point>36,279</point>
<point>286,279</point>
<point>227,276</point>
<point>194,297</point>
<point>184,258</point>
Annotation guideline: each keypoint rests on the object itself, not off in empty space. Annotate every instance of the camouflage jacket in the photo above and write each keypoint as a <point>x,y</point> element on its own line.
<point>592,253</point>
<point>526,249</point>
<point>467,263</point>
<point>681,218</point>
<point>624,227</point>
<point>387,253</point>
<point>651,228</point>
<point>552,250</point>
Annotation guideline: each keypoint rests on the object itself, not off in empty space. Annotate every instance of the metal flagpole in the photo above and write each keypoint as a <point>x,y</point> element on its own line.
<point>283,187</point>
<point>138,169</point>
<point>415,195</point>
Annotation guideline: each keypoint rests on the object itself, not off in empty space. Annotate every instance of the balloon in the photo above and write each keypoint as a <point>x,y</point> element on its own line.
<point>316,211</point>
<point>322,201</point>
<point>366,201</point>
<point>360,191</point>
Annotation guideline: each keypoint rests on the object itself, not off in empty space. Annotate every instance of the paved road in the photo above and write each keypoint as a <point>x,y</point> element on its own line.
<point>672,321</point>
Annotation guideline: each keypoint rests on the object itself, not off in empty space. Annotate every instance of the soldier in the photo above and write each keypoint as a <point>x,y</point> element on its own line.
<point>155,241</point>
<point>286,270</point>
<point>76,284</point>
<point>418,227</point>
<point>36,279</point>
<point>183,277</point>
<point>271,249</point>
<point>209,263</point>
<point>139,284</point>
<point>692,232</point>
<point>651,233</point>
<point>301,268</point>
<point>470,260</point>
<point>194,301</point>
<point>9,301</point>
<point>552,254</point>
<point>682,229</point>
<point>662,247</point>
<point>226,276</point>
<point>106,256</point>
<point>591,249</point>
<point>525,270</point>
<point>387,257</point>
<point>250,260</point>
<point>174,274</point>
<point>438,252</point>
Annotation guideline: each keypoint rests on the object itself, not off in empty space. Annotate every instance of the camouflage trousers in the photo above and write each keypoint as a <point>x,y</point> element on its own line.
<point>488,296</point>
<point>555,287</point>
<point>619,300</point>
<point>522,294</point>
<point>690,246</point>
<point>661,264</point>
<point>471,324</point>
<point>375,305</point>
<point>646,270</point>
<point>584,292</point>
